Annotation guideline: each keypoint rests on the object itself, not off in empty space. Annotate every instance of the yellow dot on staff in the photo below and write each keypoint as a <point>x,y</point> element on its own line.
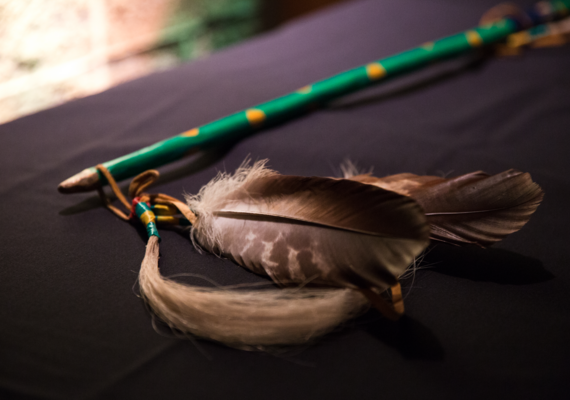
<point>255,116</point>
<point>428,46</point>
<point>375,71</point>
<point>474,38</point>
<point>191,132</point>
<point>147,217</point>
<point>305,89</point>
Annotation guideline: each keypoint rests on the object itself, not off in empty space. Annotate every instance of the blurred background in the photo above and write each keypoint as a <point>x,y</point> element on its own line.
<point>58,50</point>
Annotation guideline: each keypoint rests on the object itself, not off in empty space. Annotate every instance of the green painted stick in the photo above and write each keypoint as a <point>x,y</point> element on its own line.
<point>306,98</point>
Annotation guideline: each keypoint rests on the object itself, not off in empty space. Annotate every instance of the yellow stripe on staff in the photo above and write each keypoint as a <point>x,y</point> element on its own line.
<point>147,217</point>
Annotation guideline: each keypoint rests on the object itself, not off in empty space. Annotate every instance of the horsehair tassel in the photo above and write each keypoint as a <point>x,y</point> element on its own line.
<point>305,99</point>
<point>252,319</point>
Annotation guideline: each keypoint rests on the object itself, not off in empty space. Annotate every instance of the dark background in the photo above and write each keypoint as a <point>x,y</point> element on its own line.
<point>480,323</point>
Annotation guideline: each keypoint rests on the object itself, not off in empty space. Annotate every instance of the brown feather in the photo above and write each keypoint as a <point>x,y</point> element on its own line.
<point>472,208</point>
<point>326,231</point>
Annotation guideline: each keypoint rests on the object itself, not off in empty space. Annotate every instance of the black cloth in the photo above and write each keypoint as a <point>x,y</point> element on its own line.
<point>480,323</point>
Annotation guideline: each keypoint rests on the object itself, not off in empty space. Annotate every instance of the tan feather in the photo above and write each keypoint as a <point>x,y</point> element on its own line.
<point>296,229</point>
<point>473,208</point>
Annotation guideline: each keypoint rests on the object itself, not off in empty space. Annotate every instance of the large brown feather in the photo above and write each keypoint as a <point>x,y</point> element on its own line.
<point>326,231</point>
<point>472,208</point>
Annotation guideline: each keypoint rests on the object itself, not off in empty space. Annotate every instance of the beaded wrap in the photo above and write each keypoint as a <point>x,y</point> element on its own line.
<point>147,217</point>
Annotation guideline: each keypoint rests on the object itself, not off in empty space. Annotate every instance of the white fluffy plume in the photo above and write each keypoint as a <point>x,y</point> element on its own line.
<point>211,195</point>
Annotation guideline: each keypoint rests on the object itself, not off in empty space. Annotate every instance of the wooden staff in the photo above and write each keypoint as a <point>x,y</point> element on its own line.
<point>305,99</point>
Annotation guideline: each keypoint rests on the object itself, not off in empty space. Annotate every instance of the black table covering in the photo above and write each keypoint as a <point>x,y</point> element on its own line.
<point>481,323</point>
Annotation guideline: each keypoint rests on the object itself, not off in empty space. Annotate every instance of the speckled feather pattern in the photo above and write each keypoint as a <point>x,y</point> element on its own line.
<point>329,232</point>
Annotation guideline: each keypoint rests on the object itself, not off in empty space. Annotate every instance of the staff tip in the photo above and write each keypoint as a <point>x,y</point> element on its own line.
<point>85,181</point>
